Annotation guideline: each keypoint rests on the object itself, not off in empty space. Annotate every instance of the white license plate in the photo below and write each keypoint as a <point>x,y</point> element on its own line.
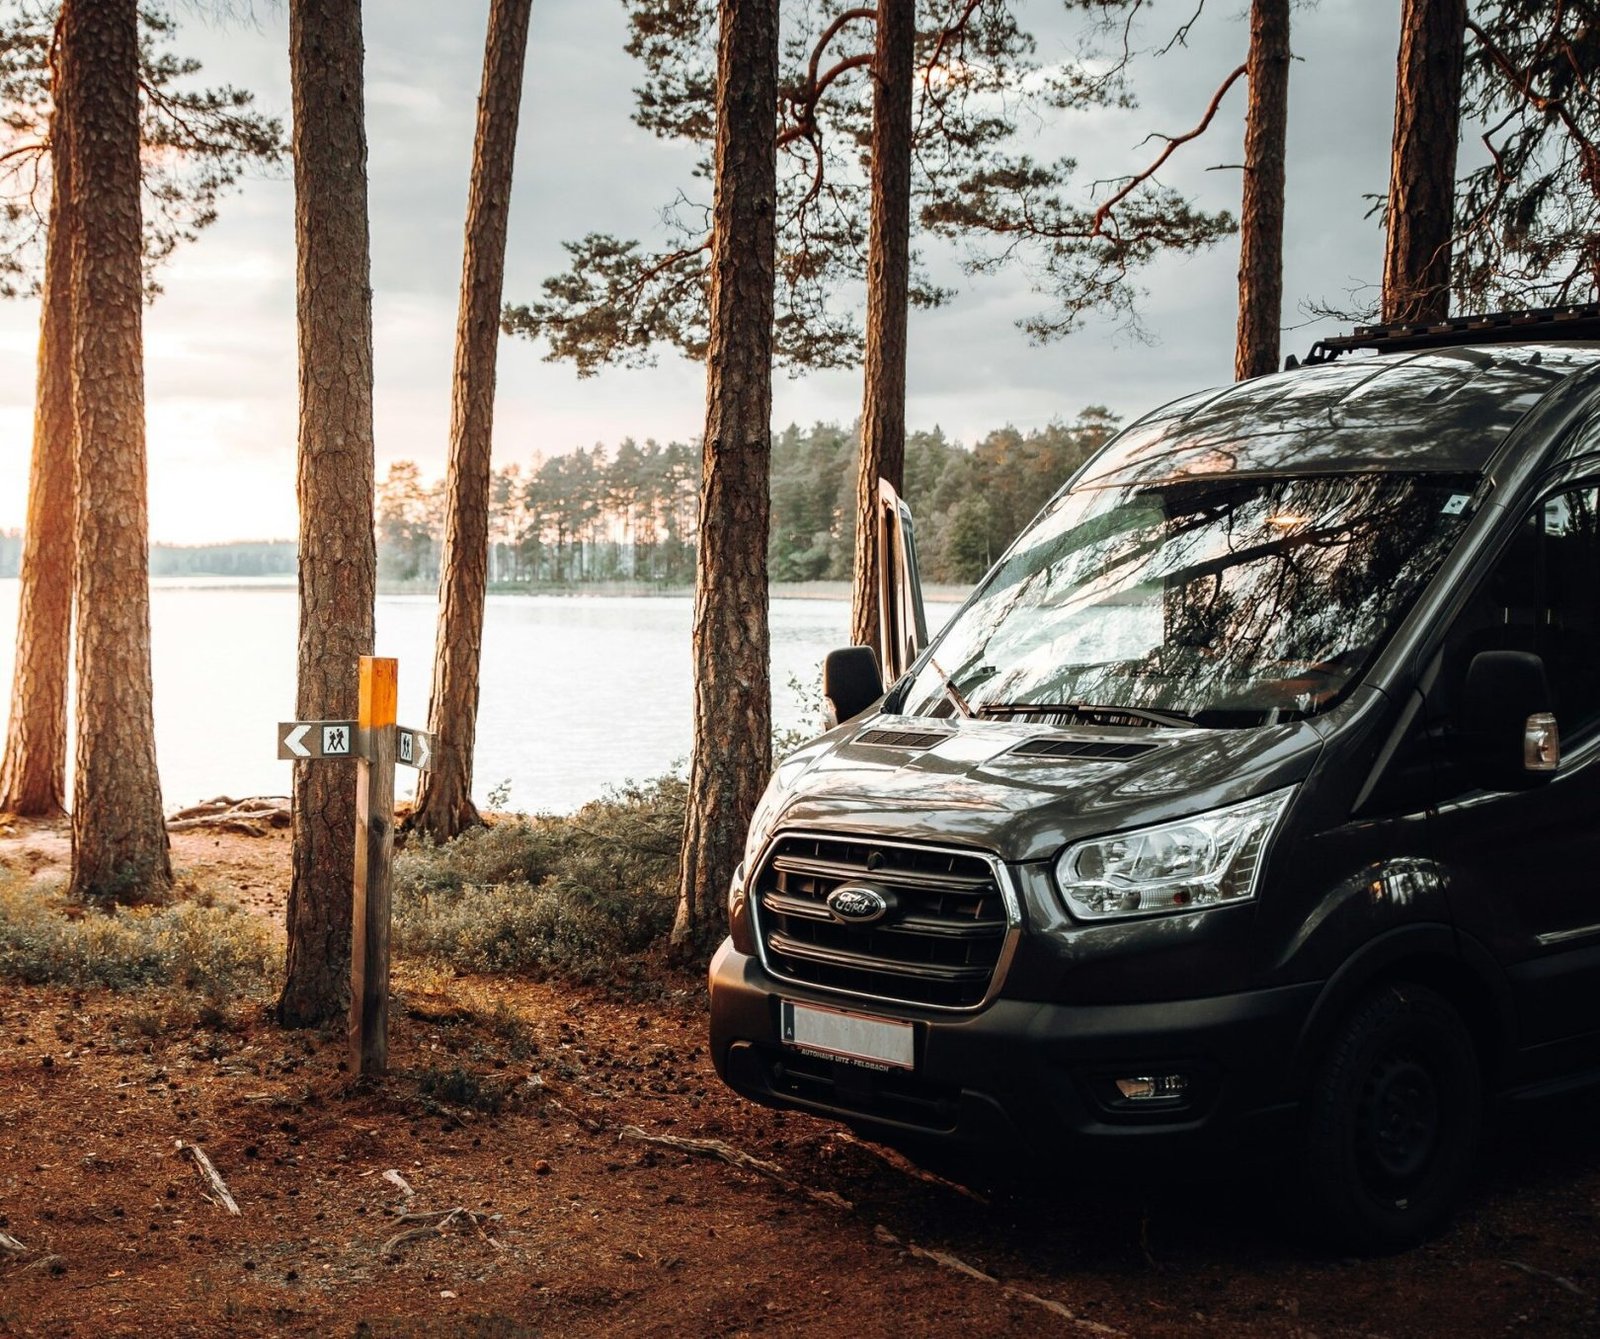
<point>877,1042</point>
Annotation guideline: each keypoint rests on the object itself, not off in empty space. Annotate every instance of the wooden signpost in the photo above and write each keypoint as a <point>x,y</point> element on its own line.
<point>377,743</point>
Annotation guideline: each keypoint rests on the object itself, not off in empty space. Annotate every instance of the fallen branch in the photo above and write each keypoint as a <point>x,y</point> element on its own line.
<point>904,1165</point>
<point>216,1188</point>
<point>394,1178</point>
<point>959,1266</point>
<point>439,1222</point>
<point>715,1148</point>
<point>9,1245</point>
<point>1556,1279</point>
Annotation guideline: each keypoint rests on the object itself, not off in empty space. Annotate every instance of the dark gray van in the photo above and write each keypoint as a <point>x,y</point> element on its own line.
<point>1253,795</point>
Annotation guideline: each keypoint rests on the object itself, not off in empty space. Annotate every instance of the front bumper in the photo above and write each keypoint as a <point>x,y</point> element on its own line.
<point>1017,1070</point>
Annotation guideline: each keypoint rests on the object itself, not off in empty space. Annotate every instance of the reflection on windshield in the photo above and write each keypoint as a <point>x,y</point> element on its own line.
<point>1222,601</point>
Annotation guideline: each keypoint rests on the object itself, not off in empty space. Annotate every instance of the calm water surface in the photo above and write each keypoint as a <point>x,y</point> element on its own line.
<point>578,693</point>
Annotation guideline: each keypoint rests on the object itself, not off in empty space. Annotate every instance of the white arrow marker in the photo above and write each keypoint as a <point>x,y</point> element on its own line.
<point>317,739</point>
<point>412,747</point>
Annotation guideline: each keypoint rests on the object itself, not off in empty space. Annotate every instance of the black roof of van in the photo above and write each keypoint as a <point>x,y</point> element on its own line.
<point>1444,410</point>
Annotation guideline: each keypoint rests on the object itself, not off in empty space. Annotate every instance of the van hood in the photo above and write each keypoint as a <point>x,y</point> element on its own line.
<point>1023,791</point>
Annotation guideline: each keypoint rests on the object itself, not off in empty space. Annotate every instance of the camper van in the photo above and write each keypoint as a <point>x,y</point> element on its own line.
<point>1250,803</point>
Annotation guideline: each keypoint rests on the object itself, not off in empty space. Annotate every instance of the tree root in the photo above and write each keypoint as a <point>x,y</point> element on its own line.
<point>252,817</point>
<point>715,1148</point>
<point>956,1264</point>
<point>438,1224</point>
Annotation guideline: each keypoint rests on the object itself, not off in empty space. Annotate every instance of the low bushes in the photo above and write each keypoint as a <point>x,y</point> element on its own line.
<point>215,951</point>
<point>580,894</point>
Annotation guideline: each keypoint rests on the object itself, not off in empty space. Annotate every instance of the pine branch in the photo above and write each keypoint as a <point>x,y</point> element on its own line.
<point>1104,212</point>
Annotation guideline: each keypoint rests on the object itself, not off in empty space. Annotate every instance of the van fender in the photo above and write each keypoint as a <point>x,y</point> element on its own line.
<point>1431,954</point>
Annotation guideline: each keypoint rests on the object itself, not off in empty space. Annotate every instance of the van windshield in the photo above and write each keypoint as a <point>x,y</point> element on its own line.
<point>1219,601</point>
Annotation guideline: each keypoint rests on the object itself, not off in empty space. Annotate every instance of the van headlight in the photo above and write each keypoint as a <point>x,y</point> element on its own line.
<point>1212,859</point>
<point>766,811</point>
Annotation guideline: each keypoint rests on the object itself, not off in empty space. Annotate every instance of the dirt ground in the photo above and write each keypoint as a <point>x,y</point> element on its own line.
<point>545,1115</point>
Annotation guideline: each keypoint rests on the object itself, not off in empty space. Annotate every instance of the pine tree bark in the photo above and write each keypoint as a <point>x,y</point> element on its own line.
<point>883,411</point>
<point>1266,130</point>
<point>732,651</point>
<point>1422,172</point>
<point>33,771</point>
<point>444,796</point>
<point>338,560</point>
<point>119,838</point>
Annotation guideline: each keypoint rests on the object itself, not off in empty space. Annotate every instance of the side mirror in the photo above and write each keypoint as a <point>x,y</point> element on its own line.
<point>1506,721</point>
<point>851,682</point>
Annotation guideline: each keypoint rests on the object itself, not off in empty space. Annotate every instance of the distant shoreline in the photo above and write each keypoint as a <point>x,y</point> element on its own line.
<point>934,593</point>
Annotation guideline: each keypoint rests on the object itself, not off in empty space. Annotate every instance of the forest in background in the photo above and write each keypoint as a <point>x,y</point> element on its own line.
<point>629,514</point>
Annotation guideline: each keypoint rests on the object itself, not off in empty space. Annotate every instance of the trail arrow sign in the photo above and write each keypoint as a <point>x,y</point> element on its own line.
<point>317,739</point>
<point>414,748</point>
<point>377,743</point>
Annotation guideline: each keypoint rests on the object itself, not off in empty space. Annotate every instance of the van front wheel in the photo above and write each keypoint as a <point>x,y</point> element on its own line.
<point>1395,1111</point>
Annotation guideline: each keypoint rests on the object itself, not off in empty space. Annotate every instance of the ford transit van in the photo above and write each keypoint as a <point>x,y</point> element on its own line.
<point>1251,801</point>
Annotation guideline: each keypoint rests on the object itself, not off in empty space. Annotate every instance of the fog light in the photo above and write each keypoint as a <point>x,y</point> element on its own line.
<point>1154,1088</point>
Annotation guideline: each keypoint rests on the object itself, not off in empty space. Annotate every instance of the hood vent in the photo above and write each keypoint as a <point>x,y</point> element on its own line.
<point>1097,750</point>
<point>903,739</point>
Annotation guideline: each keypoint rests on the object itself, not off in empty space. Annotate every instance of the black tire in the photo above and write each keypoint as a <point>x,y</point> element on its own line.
<point>1396,1107</point>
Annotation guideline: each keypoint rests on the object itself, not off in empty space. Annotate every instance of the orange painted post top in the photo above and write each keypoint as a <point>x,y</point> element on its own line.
<point>380,691</point>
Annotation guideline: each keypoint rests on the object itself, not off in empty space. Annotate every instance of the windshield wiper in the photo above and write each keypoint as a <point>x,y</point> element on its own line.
<point>1006,710</point>
<point>951,691</point>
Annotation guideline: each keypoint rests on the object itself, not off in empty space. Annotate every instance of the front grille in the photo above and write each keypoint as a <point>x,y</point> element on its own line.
<point>939,944</point>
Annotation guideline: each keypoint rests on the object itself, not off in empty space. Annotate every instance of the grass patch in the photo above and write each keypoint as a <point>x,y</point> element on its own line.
<point>45,937</point>
<point>580,895</point>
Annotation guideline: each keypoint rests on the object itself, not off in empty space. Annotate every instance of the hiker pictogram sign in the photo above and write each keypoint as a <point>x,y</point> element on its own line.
<point>376,744</point>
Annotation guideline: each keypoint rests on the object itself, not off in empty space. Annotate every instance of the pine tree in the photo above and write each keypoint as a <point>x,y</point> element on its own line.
<point>444,796</point>
<point>883,411</point>
<point>733,695</point>
<point>119,837</point>
<point>1420,215</point>
<point>1528,220</point>
<point>200,142</point>
<point>337,557</point>
<point>1261,214</point>
<point>976,83</point>
<point>33,773</point>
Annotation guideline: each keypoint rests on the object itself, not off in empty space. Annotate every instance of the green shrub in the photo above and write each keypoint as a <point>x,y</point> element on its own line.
<point>573,894</point>
<point>44,937</point>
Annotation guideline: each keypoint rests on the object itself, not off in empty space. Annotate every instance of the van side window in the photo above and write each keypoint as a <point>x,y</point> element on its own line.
<point>1543,596</point>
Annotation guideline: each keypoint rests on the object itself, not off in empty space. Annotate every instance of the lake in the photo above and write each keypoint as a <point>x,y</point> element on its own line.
<point>578,693</point>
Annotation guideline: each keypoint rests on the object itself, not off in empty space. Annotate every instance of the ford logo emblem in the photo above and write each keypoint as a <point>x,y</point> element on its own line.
<point>859,903</point>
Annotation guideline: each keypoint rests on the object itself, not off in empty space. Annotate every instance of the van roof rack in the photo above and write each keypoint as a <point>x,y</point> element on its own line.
<point>1539,323</point>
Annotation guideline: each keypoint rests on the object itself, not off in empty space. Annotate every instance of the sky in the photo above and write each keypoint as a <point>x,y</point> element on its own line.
<point>220,342</point>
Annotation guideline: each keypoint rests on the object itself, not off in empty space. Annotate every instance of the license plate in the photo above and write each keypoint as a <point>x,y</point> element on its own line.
<point>876,1042</point>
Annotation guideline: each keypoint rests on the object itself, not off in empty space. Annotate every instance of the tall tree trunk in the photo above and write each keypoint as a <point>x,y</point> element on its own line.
<point>444,797</point>
<point>33,772</point>
<point>883,410</point>
<point>732,652</point>
<point>338,561</point>
<point>1266,129</point>
<point>1422,170</point>
<point>119,838</point>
